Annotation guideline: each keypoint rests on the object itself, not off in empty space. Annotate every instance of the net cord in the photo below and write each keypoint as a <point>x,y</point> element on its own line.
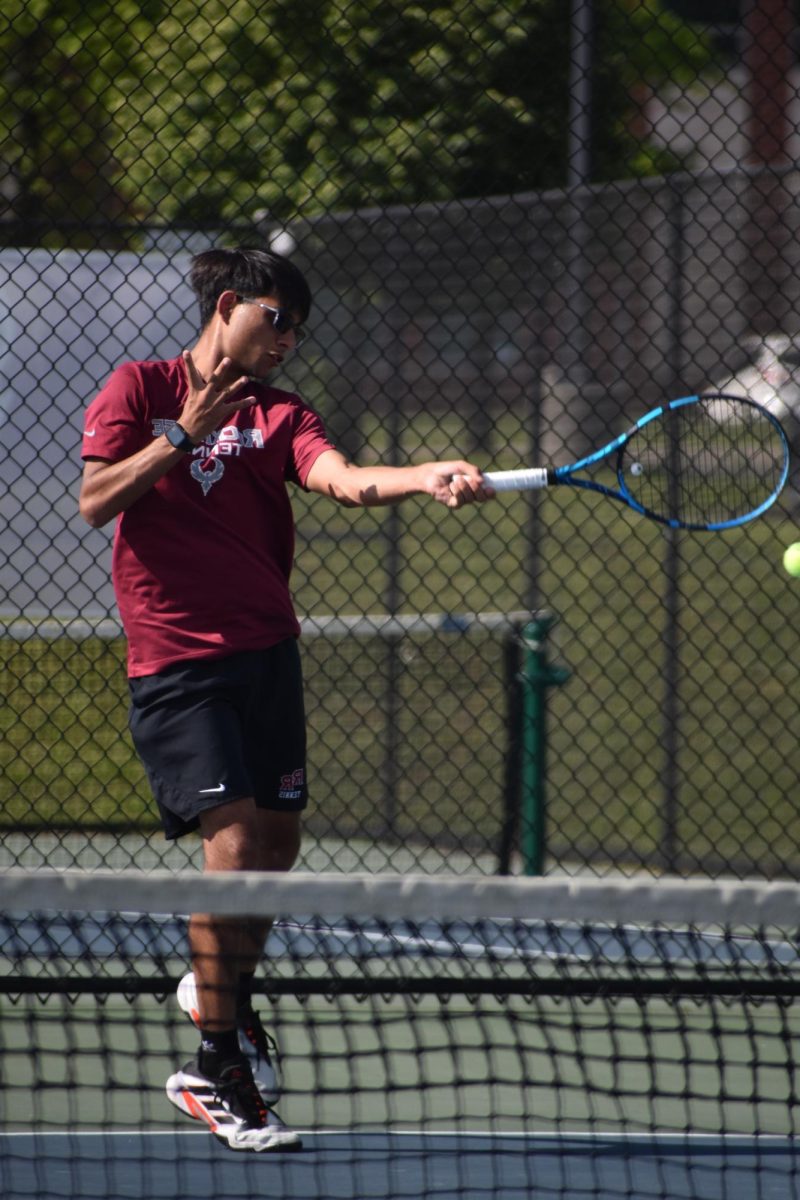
<point>613,900</point>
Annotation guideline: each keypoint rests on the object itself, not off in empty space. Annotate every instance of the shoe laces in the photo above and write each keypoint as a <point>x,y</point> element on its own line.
<point>236,1088</point>
<point>257,1036</point>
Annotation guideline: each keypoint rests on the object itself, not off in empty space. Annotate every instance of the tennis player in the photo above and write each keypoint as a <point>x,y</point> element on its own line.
<point>192,456</point>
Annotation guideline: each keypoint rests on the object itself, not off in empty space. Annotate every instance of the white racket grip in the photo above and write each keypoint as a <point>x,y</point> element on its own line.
<point>512,481</point>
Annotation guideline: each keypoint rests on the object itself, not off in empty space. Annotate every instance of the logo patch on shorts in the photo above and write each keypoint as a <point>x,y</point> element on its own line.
<point>291,786</point>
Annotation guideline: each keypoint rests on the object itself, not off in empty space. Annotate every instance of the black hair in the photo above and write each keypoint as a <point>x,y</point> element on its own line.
<point>249,272</point>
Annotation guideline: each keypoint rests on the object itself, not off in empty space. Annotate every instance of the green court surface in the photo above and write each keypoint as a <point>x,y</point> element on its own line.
<point>510,1065</point>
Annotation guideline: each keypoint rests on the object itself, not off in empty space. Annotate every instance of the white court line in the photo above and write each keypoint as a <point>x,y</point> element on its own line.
<point>452,947</point>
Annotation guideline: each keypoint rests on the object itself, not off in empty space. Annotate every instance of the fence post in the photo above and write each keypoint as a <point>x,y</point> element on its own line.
<point>538,674</point>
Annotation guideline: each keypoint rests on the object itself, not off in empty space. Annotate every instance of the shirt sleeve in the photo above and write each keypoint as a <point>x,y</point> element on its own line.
<point>309,441</point>
<point>115,425</point>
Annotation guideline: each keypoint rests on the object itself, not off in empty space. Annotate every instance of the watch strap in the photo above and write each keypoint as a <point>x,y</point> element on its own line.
<point>178,437</point>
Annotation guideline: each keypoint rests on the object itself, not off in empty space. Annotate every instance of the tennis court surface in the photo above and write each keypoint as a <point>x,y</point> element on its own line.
<point>448,1037</point>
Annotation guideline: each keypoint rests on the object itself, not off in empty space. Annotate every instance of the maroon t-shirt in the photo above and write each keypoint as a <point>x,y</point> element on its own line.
<point>201,562</point>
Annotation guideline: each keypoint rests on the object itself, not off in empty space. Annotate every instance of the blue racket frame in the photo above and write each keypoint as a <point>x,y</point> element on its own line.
<point>565,474</point>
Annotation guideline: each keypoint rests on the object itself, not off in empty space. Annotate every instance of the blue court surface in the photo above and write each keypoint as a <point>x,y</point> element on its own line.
<point>336,1166</point>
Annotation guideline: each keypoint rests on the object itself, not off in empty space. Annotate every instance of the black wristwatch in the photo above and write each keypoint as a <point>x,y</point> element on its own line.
<point>179,438</point>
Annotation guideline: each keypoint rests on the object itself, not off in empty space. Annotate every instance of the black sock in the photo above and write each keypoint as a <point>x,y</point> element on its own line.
<point>244,993</point>
<point>217,1048</point>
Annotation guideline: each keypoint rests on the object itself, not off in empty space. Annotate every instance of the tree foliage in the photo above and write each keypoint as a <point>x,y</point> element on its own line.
<point>195,114</point>
<point>64,70</point>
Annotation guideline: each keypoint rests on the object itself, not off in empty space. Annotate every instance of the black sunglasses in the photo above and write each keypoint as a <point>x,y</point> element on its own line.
<point>281,321</point>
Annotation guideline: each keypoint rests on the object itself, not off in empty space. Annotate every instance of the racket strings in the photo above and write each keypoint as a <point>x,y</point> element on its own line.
<point>705,463</point>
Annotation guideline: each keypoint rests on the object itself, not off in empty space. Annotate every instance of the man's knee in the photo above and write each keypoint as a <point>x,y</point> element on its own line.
<point>240,837</point>
<point>279,840</point>
<point>231,837</point>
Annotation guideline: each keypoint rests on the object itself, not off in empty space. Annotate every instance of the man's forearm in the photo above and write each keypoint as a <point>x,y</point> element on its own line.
<point>453,483</point>
<point>371,486</point>
<point>110,488</point>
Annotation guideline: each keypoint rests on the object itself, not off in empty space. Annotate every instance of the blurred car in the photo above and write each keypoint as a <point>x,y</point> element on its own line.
<point>769,374</point>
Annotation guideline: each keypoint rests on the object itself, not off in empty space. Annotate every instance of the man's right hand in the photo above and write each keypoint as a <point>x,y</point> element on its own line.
<point>210,402</point>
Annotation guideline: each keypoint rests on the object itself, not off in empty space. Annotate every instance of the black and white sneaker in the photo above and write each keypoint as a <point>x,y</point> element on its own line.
<point>232,1107</point>
<point>254,1042</point>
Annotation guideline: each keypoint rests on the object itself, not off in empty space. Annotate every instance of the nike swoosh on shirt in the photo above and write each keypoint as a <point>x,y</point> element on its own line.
<point>219,788</point>
<point>90,433</point>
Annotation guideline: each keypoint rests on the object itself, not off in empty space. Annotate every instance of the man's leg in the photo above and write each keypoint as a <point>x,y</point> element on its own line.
<point>232,1084</point>
<point>279,846</point>
<point>236,837</point>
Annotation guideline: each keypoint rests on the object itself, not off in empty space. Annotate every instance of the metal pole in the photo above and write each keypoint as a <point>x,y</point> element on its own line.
<point>770,231</point>
<point>512,687</point>
<point>538,674</point>
<point>580,94</point>
<point>579,156</point>
<point>393,600</point>
<point>585,396</point>
<point>670,736</point>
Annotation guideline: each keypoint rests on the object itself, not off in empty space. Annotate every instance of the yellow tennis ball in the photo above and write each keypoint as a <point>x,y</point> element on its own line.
<point>791,559</point>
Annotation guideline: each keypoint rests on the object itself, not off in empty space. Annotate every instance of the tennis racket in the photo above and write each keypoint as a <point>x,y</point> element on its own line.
<point>703,462</point>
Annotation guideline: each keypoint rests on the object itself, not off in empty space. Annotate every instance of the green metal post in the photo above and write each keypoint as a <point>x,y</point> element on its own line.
<point>537,675</point>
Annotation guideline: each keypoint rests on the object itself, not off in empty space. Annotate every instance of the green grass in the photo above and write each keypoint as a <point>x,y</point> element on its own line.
<point>67,761</point>
<point>738,711</point>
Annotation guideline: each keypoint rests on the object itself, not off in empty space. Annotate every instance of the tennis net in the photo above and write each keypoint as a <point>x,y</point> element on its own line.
<point>452,1037</point>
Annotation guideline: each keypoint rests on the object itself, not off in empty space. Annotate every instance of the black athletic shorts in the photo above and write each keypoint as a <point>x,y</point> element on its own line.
<point>214,730</point>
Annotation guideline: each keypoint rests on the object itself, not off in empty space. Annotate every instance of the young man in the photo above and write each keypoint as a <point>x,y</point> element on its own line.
<point>192,457</point>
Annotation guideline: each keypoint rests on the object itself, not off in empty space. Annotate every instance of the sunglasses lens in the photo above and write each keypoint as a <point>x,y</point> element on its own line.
<point>284,324</point>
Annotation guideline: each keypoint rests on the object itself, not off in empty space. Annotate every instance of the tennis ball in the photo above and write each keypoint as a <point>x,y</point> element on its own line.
<point>791,559</point>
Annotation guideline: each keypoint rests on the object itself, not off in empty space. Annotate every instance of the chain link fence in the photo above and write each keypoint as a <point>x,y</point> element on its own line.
<point>524,224</point>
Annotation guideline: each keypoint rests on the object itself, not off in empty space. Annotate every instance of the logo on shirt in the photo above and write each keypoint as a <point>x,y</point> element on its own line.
<point>291,785</point>
<point>207,473</point>
<point>208,465</point>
